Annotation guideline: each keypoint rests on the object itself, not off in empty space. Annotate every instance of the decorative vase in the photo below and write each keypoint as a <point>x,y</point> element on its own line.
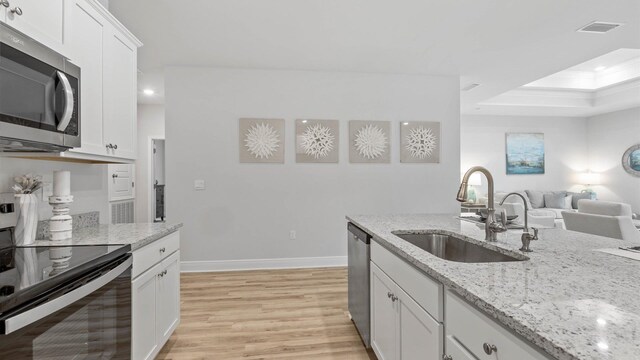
<point>25,233</point>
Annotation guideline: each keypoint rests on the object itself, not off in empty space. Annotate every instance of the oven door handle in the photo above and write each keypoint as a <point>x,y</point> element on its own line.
<point>30,316</point>
<point>68,102</point>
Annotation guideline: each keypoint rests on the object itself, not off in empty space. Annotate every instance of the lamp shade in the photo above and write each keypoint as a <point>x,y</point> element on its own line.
<point>475,179</point>
<point>590,178</point>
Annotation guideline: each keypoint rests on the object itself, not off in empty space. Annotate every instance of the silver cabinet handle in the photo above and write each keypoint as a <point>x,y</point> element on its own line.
<point>394,298</point>
<point>68,97</point>
<point>16,10</point>
<point>114,176</point>
<point>115,146</point>
<point>162,250</point>
<point>389,294</point>
<point>447,357</point>
<point>162,274</point>
<point>4,3</point>
<point>109,146</point>
<point>489,348</point>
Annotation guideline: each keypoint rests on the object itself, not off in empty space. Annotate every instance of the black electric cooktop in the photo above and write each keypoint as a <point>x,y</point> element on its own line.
<point>28,272</point>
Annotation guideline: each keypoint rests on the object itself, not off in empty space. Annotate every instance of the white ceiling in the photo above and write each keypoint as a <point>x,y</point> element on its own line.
<point>501,44</point>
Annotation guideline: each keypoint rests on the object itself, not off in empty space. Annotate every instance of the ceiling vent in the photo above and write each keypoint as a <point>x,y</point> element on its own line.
<point>599,27</point>
<point>470,87</point>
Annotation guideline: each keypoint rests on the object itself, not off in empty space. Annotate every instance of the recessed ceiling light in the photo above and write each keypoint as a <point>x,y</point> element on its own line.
<point>304,121</point>
<point>603,345</point>
<point>148,92</point>
<point>405,123</point>
<point>600,68</point>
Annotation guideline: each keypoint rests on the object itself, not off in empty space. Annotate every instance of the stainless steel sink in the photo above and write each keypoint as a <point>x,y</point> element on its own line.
<point>453,248</point>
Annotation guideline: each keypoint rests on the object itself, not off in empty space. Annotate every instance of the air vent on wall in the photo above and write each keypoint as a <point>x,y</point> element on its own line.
<point>470,87</point>
<point>599,27</point>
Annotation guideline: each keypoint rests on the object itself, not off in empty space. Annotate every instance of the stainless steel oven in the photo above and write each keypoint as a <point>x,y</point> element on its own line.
<point>66,303</point>
<point>39,96</point>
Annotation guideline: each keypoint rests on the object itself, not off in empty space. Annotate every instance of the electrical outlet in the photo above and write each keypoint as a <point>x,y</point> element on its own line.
<point>199,184</point>
<point>292,235</point>
<point>47,190</point>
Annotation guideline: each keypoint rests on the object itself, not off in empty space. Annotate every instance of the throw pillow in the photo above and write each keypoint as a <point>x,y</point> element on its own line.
<point>554,200</point>
<point>578,196</point>
<point>536,198</point>
<point>567,201</point>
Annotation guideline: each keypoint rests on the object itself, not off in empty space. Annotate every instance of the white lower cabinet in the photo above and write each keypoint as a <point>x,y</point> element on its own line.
<point>155,304</point>
<point>480,336</point>
<point>410,312</point>
<point>400,328</point>
<point>144,310</point>
<point>455,351</point>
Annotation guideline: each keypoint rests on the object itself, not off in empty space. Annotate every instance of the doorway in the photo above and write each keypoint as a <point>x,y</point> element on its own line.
<point>158,180</point>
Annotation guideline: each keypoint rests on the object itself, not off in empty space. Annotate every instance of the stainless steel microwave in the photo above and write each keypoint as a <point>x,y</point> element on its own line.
<point>39,96</point>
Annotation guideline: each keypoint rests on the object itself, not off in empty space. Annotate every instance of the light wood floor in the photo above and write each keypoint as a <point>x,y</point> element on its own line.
<point>272,314</point>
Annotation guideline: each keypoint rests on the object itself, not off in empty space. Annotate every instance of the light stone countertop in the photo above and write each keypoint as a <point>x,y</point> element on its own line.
<point>137,235</point>
<point>571,301</point>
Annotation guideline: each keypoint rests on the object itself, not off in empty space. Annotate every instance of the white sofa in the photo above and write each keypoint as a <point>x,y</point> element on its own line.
<point>603,218</point>
<point>539,216</point>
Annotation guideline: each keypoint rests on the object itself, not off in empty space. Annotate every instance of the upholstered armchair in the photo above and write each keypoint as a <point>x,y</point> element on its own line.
<point>602,218</point>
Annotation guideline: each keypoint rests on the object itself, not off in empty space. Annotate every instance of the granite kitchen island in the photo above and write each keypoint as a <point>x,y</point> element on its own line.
<point>566,299</point>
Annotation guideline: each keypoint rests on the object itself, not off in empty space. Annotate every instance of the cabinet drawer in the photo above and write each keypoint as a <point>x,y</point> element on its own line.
<point>473,329</point>
<point>457,352</point>
<point>149,255</point>
<point>427,292</point>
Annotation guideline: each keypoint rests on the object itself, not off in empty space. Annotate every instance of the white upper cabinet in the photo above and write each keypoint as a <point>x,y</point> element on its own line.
<point>106,52</point>
<point>41,20</point>
<point>107,55</point>
<point>120,95</point>
<point>86,29</point>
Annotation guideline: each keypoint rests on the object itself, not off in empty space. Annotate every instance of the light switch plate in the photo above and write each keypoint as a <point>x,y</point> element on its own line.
<point>199,185</point>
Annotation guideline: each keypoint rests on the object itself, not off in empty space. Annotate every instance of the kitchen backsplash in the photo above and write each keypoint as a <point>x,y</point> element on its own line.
<point>79,221</point>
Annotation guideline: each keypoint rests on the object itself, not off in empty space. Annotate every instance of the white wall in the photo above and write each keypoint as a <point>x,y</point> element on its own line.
<point>88,183</point>
<point>247,210</point>
<point>482,141</point>
<point>150,126</point>
<point>609,136</point>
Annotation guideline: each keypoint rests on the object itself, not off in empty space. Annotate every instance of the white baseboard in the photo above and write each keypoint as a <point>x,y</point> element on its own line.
<point>261,264</point>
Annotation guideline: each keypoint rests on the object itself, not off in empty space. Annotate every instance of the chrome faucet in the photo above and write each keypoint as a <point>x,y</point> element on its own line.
<point>492,226</point>
<point>526,236</point>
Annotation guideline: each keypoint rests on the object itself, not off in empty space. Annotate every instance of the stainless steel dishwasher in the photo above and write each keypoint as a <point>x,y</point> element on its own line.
<point>358,252</point>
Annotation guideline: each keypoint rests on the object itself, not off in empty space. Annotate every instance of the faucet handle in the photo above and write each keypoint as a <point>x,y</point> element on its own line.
<point>503,217</point>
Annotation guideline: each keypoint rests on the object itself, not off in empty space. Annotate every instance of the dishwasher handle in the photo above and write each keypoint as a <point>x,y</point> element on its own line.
<point>359,233</point>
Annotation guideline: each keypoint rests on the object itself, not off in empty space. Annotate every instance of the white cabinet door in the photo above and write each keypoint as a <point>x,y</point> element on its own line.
<point>168,296</point>
<point>143,314</point>
<point>120,71</point>
<point>120,182</point>
<point>456,351</point>
<point>86,32</point>
<point>383,315</point>
<point>3,13</point>
<point>41,20</point>
<point>420,336</point>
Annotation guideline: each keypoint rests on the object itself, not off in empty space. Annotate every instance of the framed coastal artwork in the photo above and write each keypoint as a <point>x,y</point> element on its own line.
<point>419,142</point>
<point>317,141</point>
<point>261,140</point>
<point>631,160</point>
<point>369,141</point>
<point>525,153</point>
